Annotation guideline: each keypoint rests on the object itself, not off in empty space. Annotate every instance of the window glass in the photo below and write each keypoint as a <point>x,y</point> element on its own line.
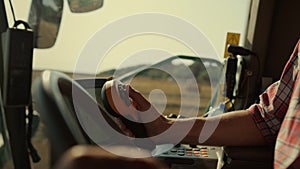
<point>173,89</point>
<point>213,18</point>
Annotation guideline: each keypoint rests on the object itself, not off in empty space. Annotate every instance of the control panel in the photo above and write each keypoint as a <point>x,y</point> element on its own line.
<point>193,156</point>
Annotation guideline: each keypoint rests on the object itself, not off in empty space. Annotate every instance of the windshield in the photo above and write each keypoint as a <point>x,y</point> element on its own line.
<point>213,19</point>
<point>103,38</point>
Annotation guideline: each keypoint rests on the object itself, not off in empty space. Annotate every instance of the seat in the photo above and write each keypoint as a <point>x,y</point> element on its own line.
<point>62,104</point>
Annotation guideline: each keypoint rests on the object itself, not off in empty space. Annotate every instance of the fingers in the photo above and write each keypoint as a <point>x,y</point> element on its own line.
<point>140,102</point>
<point>123,127</point>
<point>154,122</point>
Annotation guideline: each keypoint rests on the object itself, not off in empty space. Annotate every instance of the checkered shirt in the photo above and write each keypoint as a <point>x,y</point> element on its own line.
<point>278,115</point>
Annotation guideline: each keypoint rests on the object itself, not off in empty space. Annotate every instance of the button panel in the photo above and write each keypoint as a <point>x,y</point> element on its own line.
<point>192,156</point>
<point>192,151</point>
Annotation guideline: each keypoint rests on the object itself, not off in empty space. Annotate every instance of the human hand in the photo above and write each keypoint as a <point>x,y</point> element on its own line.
<point>134,108</point>
<point>154,122</point>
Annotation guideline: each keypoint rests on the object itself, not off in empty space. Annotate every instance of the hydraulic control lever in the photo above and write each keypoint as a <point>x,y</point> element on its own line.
<point>118,103</point>
<point>116,100</point>
<point>231,67</point>
<point>238,50</point>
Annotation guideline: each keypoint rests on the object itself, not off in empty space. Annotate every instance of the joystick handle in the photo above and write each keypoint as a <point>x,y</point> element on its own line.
<point>118,104</point>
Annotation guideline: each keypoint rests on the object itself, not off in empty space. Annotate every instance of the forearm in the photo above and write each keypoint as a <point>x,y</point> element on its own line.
<point>234,128</point>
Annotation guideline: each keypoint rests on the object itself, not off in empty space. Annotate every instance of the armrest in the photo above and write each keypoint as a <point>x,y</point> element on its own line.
<point>244,157</point>
<point>250,153</point>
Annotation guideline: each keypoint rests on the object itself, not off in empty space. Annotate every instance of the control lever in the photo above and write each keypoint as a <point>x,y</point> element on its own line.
<point>231,67</point>
<point>238,50</point>
<point>117,102</point>
<point>116,99</point>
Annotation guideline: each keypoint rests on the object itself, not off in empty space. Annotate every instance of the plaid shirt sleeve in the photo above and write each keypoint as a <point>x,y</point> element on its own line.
<point>269,113</point>
<point>278,115</point>
<point>287,147</point>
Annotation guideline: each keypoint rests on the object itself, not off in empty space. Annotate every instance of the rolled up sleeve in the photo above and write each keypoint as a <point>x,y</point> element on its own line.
<point>268,114</point>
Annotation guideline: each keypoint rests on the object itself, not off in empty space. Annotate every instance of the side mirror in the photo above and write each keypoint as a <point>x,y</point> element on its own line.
<point>45,17</point>
<point>81,6</point>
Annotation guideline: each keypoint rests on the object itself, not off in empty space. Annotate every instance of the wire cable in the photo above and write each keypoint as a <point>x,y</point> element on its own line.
<point>32,150</point>
<point>12,10</point>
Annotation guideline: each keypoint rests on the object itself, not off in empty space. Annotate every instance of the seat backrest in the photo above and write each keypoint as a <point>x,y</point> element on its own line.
<point>50,92</point>
<point>62,104</point>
